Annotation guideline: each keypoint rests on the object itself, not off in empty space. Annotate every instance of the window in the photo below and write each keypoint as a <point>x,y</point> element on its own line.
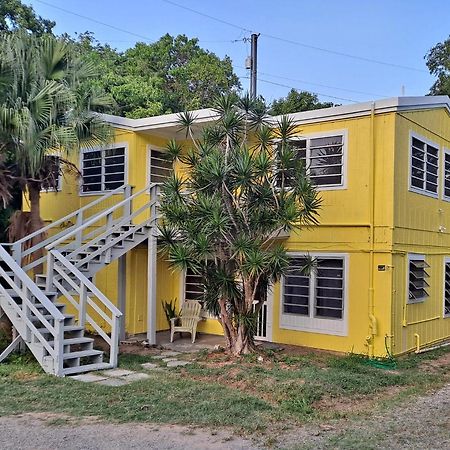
<point>193,286</point>
<point>103,170</point>
<point>160,166</point>
<point>417,279</point>
<point>447,288</point>
<point>53,169</point>
<point>424,160</point>
<point>447,174</point>
<point>317,294</point>
<point>323,159</point>
<point>314,300</point>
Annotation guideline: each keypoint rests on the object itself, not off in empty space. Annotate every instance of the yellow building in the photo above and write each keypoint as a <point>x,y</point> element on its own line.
<point>382,246</point>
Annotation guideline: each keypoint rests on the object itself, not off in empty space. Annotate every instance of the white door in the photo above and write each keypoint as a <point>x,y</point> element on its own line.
<point>264,321</point>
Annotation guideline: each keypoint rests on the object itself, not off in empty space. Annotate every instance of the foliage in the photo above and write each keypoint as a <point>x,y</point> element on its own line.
<point>15,15</point>
<point>170,309</point>
<point>172,74</point>
<point>220,218</point>
<point>45,108</point>
<point>297,101</point>
<point>438,62</point>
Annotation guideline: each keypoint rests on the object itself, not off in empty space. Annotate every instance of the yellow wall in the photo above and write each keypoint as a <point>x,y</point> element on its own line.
<point>374,221</point>
<point>418,220</point>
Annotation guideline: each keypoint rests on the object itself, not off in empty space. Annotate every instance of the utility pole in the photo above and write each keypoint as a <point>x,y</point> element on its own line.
<point>253,64</point>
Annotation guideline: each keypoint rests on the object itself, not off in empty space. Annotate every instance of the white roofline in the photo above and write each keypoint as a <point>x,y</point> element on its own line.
<point>393,104</point>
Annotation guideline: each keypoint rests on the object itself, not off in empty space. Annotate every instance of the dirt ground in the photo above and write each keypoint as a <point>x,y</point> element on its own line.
<point>420,423</point>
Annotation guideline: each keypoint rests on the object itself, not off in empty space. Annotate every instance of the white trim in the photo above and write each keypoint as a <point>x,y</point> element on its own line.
<point>151,147</point>
<point>103,148</point>
<point>445,316</point>
<point>393,104</point>
<point>414,257</point>
<point>329,133</point>
<point>446,151</point>
<point>331,326</point>
<point>426,141</point>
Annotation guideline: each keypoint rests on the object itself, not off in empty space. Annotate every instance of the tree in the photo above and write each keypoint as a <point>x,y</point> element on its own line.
<point>171,75</point>
<point>45,109</point>
<point>297,101</point>
<point>15,15</point>
<point>438,62</point>
<point>242,187</point>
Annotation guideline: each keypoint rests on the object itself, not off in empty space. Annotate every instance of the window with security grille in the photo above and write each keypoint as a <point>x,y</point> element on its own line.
<point>161,166</point>
<point>322,158</point>
<point>103,170</point>
<point>447,290</point>
<point>317,292</point>
<point>417,279</point>
<point>424,160</point>
<point>193,286</point>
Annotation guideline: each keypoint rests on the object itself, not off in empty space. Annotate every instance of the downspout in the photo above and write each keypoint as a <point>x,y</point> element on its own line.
<point>371,303</point>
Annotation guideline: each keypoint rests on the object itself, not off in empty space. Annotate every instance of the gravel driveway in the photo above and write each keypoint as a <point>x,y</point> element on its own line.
<point>422,423</point>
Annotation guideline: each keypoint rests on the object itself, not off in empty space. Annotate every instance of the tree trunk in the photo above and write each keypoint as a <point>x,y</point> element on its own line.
<point>36,223</point>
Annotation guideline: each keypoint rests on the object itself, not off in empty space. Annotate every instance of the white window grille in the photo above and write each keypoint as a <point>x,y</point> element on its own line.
<point>447,289</point>
<point>424,167</point>
<point>417,279</point>
<point>103,170</point>
<point>161,166</point>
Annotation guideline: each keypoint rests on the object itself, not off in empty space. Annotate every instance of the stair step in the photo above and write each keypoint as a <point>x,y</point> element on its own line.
<point>67,329</point>
<point>60,306</point>
<point>75,341</point>
<point>86,368</point>
<point>67,317</point>
<point>82,354</point>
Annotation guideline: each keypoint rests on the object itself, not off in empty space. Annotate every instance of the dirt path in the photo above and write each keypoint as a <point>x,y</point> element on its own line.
<point>421,423</point>
<point>44,432</point>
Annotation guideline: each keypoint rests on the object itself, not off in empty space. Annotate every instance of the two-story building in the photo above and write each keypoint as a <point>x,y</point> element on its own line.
<point>383,244</point>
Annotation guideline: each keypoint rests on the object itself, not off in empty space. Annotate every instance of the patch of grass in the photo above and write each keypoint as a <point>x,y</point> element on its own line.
<point>246,393</point>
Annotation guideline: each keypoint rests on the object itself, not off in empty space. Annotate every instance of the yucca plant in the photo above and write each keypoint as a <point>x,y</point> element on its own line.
<point>46,107</point>
<point>243,185</point>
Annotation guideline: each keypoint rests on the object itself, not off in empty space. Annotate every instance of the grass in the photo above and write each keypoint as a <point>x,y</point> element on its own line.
<point>216,390</point>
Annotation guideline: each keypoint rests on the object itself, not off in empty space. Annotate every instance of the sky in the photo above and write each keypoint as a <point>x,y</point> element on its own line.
<point>346,51</point>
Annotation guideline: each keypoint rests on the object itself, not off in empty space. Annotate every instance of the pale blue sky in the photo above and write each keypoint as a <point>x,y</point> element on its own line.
<point>398,32</point>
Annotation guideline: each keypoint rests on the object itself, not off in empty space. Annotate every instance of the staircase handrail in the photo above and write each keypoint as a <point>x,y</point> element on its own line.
<point>91,287</point>
<point>95,202</point>
<point>91,221</point>
<point>26,281</point>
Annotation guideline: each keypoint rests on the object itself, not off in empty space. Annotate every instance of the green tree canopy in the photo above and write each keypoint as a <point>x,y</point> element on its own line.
<point>243,186</point>
<point>15,15</point>
<point>171,75</point>
<point>297,101</point>
<point>438,62</point>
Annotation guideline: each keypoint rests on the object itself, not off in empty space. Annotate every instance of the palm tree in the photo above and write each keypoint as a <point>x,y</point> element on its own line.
<point>46,108</point>
<point>242,187</point>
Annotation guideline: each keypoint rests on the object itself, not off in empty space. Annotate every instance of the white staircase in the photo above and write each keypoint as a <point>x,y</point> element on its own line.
<point>73,250</point>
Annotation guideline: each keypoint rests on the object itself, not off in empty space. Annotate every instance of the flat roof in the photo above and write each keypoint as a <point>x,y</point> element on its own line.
<point>167,124</point>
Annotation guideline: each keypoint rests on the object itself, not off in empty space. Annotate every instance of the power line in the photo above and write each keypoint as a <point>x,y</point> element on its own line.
<point>317,84</point>
<point>293,87</point>
<point>290,41</point>
<point>96,21</point>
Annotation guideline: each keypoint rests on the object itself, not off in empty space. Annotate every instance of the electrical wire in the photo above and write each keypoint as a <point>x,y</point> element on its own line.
<point>290,41</point>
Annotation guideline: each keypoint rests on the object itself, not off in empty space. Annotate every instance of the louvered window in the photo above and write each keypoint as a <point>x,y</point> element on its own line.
<point>317,294</point>
<point>418,275</point>
<point>447,290</point>
<point>322,158</point>
<point>103,170</point>
<point>424,167</point>
<point>447,175</point>
<point>193,286</point>
<point>53,181</point>
<point>160,166</point>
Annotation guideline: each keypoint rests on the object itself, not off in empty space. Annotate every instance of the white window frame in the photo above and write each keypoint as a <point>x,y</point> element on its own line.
<point>412,188</point>
<point>444,315</point>
<point>103,148</point>
<point>414,257</point>
<point>204,313</point>
<point>324,134</point>
<point>445,152</point>
<point>59,184</point>
<point>151,147</point>
<point>311,324</point>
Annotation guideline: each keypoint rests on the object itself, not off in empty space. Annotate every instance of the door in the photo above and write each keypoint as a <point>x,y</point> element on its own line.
<point>264,320</point>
